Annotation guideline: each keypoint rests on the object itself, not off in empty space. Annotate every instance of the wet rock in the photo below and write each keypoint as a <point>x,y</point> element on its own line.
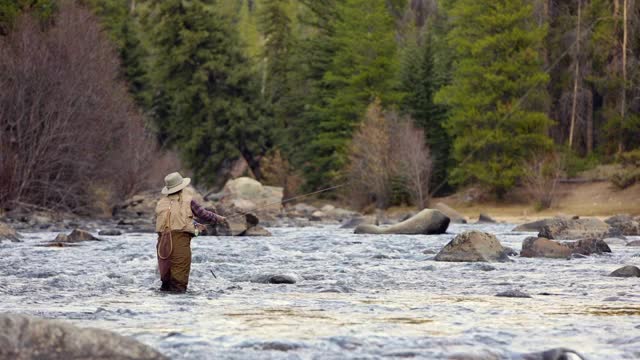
<point>626,271</point>
<point>24,337</point>
<point>110,232</point>
<point>541,247</point>
<point>354,221</point>
<point>624,224</point>
<point>485,219</point>
<point>634,243</point>
<point>275,346</point>
<point>8,233</point>
<point>509,251</point>
<point>275,279</point>
<point>77,235</point>
<point>484,267</point>
<point>427,221</point>
<point>572,229</point>
<point>554,354</point>
<point>256,231</point>
<point>454,216</point>
<point>513,294</point>
<point>588,246</point>
<point>534,226</point>
<point>473,246</point>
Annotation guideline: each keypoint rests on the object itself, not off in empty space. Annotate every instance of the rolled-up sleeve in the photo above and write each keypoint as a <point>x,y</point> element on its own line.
<point>204,215</point>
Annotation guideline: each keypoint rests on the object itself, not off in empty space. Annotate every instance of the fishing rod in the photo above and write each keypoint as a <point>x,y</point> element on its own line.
<point>245,214</point>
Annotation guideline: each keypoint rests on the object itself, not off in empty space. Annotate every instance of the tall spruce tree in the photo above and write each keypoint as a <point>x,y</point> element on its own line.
<point>363,67</point>
<point>420,82</point>
<point>497,91</point>
<point>204,90</point>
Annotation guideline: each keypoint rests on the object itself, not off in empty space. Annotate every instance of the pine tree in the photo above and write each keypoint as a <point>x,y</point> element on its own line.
<point>363,67</point>
<point>420,82</point>
<point>204,90</point>
<point>133,56</point>
<point>497,91</point>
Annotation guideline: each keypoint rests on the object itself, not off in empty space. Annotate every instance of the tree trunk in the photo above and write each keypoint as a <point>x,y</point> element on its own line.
<point>623,99</point>
<point>576,76</point>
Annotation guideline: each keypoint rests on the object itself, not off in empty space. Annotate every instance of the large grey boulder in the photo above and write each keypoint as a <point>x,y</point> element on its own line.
<point>8,233</point>
<point>573,229</point>
<point>472,246</point>
<point>25,338</point>
<point>426,222</point>
<point>538,225</point>
<point>244,195</point>
<point>624,224</point>
<point>76,236</point>
<point>453,215</point>
<point>626,271</point>
<point>554,354</point>
<point>358,220</point>
<point>541,247</point>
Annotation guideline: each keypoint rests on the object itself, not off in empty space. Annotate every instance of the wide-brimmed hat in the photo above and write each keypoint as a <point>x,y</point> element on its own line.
<point>174,182</point>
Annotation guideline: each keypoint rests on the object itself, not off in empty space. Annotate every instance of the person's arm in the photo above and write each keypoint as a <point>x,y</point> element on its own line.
<point>205,215</point>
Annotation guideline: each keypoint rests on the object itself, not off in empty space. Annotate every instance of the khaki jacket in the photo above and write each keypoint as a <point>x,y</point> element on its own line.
<point>174,212</point>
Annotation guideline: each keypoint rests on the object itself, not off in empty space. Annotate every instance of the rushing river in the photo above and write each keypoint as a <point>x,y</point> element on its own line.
<point>359,296</point>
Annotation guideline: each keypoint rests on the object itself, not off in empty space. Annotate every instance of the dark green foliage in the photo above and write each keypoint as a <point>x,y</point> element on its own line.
<point>133,55</point>
<point>420,82</point>
<point>44,10</point>
<point>204,91</point>
<point>363,68</point>
<point>497,91</point>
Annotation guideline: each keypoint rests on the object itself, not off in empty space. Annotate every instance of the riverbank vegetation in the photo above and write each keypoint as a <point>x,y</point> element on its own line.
<point>305,94</point>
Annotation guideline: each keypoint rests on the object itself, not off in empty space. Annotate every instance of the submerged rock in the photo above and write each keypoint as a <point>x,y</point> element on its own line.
<point>275,279</point>
<point>513,294</point>
<point>634,243</point>
<point>626,271</point>
<point>110,232</point>
<point>473,246</point>
<point>8,233</point>
<point>554,354</point>
<point>624,224</point>
<point>426,222</point>
<point>453,215</point>
<point>542,247</point>
<point>24,337</point>
<point>572,229</point>
<point>357,220</point>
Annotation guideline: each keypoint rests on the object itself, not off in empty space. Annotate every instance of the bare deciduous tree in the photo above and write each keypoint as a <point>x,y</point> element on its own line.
<point>67,124</point>
<point>541,177</point>
<point>412,160</point>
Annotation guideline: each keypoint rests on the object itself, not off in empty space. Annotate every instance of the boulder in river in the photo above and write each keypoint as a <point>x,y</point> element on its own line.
<point>573,229</point>
<point>77,235</point>
<point>542,247</point>
<point>626,271</point>
<point>24,337</point>
<point>485,219</point>
<point>588,246</point>
<point>110,232</point>
<point>471,246</point>
<point>426,222</point>
<point>454,216</point>
<point>624,224</point>
<point>248,195</point>
<point>8,233</point>
<point>538,225</point>
<point>634,243</point>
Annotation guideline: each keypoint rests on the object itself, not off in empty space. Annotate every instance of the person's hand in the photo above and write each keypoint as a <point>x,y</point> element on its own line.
<point>223,220</point>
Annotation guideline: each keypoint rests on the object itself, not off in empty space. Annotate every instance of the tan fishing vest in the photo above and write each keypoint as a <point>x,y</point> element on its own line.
<point>174,212</point>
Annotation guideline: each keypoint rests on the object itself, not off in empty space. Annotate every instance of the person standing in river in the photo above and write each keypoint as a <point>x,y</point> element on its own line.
<point>178,219</point>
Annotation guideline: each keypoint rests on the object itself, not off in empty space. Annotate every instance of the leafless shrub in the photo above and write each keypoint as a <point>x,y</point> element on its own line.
<point>541,177</point>
<point>388,150</point>
<point>67,124</point>
<point>412,160</point>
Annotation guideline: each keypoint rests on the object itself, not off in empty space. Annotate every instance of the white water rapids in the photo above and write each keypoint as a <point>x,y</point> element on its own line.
<point>358,296</point>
